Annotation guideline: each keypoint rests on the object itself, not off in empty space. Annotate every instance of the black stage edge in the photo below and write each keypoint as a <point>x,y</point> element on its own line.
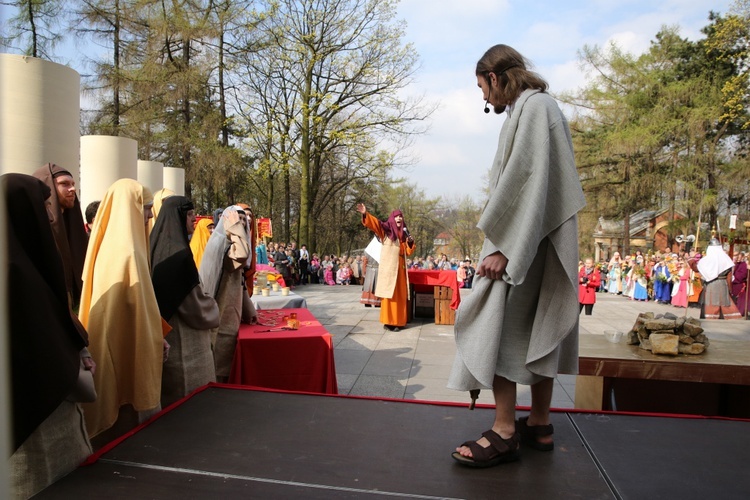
<point>236,443</point>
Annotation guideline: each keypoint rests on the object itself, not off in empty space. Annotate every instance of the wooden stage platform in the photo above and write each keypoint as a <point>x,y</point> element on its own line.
<point>227,442</point>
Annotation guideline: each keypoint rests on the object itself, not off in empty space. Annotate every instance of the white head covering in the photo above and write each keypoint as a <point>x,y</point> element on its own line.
<point>715,262</point>
<point>213,256</point>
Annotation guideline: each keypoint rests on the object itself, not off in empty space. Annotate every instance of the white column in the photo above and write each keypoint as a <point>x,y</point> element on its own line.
<point>105,159</point>
<point>151,174</point>
<point>40,111</point>
<point>174,179</point>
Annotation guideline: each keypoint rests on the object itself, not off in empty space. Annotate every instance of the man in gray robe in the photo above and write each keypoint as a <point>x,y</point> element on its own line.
<point>520,322</point>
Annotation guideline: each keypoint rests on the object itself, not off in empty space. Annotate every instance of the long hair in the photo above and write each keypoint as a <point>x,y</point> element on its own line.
<point>512,71</point>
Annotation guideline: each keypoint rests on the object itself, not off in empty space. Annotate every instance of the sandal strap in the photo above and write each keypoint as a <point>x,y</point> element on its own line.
<point>480,453</point>
<point>508,448</point>
<point>499,444</point>
<point>536,430</point>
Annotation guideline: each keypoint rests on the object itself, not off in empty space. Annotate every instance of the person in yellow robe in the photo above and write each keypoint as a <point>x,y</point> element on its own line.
<point>393,281</point>
<point>120,312</point>
<point>200,237</point>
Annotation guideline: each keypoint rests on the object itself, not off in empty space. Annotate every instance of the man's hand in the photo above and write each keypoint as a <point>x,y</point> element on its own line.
<point>231,218</point>
<point>493,266</point>
<point>361,208</point>
<point>166,351</point>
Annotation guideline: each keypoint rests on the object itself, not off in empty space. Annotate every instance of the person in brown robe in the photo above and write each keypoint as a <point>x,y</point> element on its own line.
<point>68,228</point>
<point>190,312</point>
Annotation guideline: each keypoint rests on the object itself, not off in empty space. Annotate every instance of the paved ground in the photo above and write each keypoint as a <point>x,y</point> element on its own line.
<point>415,362</point>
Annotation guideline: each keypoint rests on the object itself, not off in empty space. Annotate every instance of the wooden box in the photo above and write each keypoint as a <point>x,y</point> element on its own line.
<point>424,306</point>
<point>444,315</point>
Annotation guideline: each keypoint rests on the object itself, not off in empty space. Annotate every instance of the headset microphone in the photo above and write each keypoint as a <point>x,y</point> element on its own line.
<point>486,106</point>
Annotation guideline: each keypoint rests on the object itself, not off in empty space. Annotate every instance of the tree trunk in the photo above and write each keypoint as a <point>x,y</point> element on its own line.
<point>32,23</point>
<point>116,70</point>
<point>305,221</point>
<point>222,96</point>
<point>626,220</point>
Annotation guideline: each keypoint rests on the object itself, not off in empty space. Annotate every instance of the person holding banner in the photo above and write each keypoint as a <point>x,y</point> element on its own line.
<point>393,281</point>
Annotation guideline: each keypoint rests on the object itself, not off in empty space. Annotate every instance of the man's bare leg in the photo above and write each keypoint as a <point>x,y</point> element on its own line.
<point>541,399</point>
<point>504,392</point>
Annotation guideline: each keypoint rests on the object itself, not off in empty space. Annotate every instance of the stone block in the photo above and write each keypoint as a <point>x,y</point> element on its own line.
<point>645,344</point>
<point>660,324</point>
<point>643,332</point>
<point>662,343</point>
<point>632,338</point>
<point>692,329</point>
<point>694,348</point>
<point>686,339</point>
<point>663,332</point>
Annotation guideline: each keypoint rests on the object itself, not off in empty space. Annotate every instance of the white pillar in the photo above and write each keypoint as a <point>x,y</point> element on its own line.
<point>105,159</point>
<point>151,174</point>
<point>174,179</point>
<point>40,111</point>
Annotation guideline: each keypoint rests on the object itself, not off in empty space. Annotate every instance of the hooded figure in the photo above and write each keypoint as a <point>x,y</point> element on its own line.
<point>190,312</point>
<point>159,198</point>
<point>48,436</point>
<point>715,268</point>
<point>221,274</point>
<point>199,239</point>
<point>68,227</point>
<point>393,280</point>
<point>120,312</point>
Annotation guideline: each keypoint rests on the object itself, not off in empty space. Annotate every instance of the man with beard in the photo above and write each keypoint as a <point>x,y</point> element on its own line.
<point>519,325</point>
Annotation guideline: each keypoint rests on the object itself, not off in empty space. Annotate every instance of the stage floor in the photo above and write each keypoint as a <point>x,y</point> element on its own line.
<point>235,443</point>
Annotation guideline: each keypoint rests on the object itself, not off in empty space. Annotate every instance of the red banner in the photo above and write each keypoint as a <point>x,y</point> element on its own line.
<point>264,228</point>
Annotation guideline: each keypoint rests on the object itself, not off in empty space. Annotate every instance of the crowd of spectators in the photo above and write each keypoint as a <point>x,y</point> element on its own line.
<point>667,277</point>
<point>298,266</point>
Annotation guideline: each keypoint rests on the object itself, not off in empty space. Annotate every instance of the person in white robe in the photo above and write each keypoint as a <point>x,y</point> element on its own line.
<point>520,323</point>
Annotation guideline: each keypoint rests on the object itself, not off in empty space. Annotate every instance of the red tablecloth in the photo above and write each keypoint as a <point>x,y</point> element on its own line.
<point>437,278</point>
<point>292,360</point>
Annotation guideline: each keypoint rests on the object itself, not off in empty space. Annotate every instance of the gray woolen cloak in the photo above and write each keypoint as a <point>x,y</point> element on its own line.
<point>535,194</point>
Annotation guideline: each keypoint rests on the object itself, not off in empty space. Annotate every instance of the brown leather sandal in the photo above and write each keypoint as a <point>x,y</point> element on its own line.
<point>530,434</point>
<point>499,451</point>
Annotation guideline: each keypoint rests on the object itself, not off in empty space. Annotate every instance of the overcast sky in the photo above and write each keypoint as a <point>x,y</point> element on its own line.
<point>450,36</point>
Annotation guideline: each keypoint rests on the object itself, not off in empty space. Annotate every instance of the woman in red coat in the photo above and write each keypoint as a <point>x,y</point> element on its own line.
<point>589,280</point>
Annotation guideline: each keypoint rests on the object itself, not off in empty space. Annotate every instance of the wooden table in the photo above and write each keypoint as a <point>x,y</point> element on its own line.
<point>292,360</point>
<point>626,377</point>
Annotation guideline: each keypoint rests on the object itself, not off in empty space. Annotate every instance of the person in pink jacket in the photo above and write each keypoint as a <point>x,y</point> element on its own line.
<point>589,280</point>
